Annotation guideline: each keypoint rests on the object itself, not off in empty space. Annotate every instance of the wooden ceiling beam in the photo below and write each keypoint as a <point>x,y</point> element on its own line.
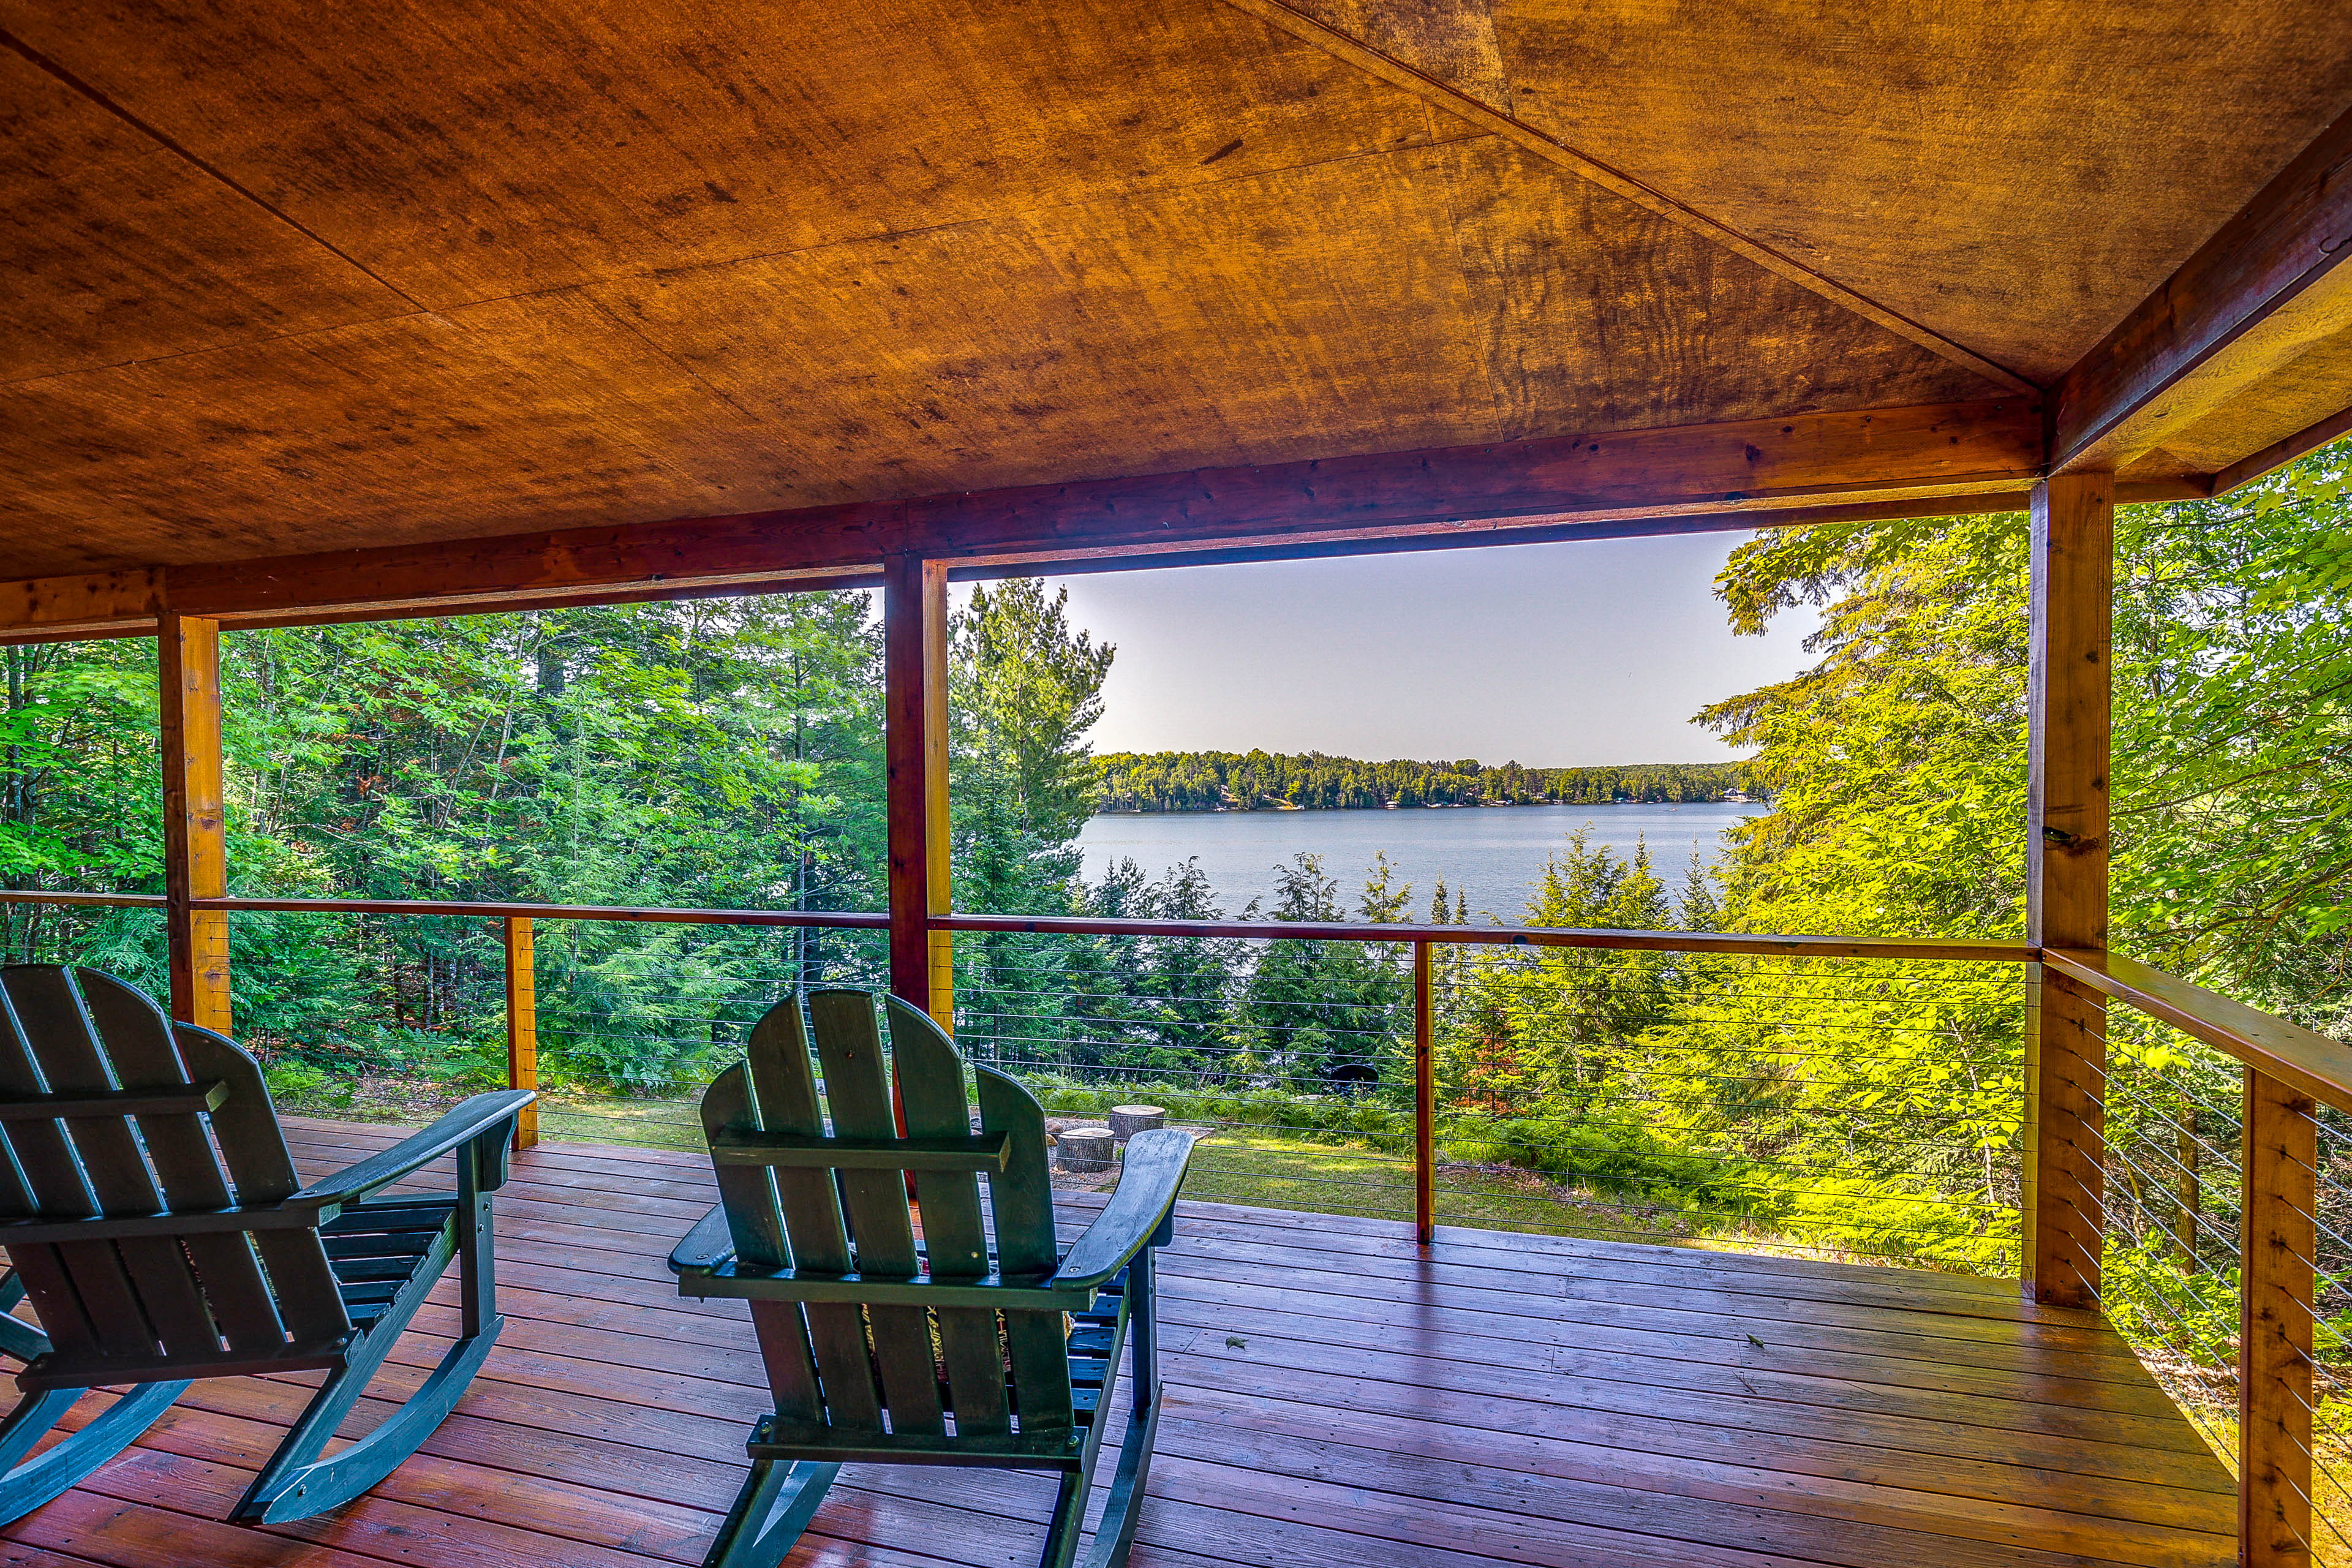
<point>2267,286</point>
<point>99,603</point>
<point>1454,102</point>
<point>1627,482</point>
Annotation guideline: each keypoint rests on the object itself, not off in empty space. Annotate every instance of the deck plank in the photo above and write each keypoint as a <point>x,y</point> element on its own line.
<point>1337,1396</point>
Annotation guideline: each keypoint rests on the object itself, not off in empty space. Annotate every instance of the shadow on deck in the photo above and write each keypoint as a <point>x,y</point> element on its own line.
<point>1336,1399</point>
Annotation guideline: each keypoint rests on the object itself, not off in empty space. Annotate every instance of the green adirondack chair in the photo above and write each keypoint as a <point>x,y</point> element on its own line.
<point>1004,1357</point>
<point>151,1214</point>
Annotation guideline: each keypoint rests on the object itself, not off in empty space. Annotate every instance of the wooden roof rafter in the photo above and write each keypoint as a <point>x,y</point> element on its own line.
<point>2269,287</point>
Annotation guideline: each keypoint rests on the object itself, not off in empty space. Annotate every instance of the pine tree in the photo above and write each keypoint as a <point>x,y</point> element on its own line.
<point>1699,909</point>
<point>1381,904</point>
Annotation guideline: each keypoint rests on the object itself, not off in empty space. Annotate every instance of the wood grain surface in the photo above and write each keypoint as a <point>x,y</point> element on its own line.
<point>1335,1395</point>
<point>279,280</point>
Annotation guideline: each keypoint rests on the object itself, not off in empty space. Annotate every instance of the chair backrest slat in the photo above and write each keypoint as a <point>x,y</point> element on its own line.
<point>784,1080</point>
<point>261,1169</point>
<point>756,1224</point>
<point>929,1074</point>
<point>79,1033</point>
<point>875,1363</point>
<point>882,1234</point>
<point>137,1039</point>
<point>857,1095</point>
<point>43,1178</point>
<point>140,1294</point>
<point>1020,1198</point>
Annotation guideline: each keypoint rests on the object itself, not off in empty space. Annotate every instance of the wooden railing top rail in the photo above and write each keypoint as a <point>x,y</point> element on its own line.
<point>1729,943</point>
<point>2311,1062</point>
<point>855,920</point>
<point>84,900</point>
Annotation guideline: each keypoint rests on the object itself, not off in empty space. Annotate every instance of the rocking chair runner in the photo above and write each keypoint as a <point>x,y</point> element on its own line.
<point>154,1254</point>
<point>813,1230</point>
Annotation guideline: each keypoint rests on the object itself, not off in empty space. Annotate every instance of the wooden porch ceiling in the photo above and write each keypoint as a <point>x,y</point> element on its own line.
<point>287,282</point>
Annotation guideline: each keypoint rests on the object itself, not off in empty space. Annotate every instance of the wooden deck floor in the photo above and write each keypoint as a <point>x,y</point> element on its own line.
<point>1336,1400</point>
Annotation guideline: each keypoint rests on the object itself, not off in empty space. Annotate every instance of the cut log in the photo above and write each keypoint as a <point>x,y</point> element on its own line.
<point>1127,1120</point>
<point>1086,1149</point>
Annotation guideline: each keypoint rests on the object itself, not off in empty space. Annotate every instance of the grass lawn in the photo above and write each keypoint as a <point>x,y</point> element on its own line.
<point>1256,1166</point>
<point>1251,1166</point>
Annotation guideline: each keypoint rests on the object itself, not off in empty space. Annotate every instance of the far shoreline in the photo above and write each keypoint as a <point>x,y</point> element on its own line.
<point>1431,805</point>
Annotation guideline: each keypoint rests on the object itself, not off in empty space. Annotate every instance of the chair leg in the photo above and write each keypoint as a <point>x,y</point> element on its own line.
<point>1115,1535</point>
<point>1069,1520</point>
<point>30,1483</point>
<point>330,1482</point>
<point>770,1513</point>
<point>17,1337</point>
<point>296,1483</point>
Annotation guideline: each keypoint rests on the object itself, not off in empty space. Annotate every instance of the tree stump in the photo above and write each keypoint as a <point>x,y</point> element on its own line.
<point>1084,1149</point>
<point>1127,1120</point>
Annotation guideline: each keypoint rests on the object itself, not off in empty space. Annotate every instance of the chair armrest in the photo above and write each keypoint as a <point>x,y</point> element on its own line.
<point>1153,1170</point>
<point>707,1246</point>
<point>461,1124</point>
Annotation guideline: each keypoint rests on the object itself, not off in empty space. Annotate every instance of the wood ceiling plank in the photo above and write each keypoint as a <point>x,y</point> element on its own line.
<point>1753,466</point>
<point>1566,275</point>
<point>1449,41</point>
<point>541,411</point>
<point>1473,104</point>
<point>1443,296</point>
<point>2267,294</point>
<point>474,152</point>
<point>112,249</point>
<point>1260,319</point>
<point>2014,178</point>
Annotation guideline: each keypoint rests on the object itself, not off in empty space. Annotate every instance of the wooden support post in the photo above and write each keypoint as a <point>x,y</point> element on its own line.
<point>915,681</point>
<point>2275,1384</point>
<point>2068,700</point>
<point>1425,1099</point>
<point>196,847</point>
<point>523,1023</point>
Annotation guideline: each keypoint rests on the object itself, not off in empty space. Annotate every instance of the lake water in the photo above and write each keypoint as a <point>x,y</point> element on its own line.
<point>1495,853</point>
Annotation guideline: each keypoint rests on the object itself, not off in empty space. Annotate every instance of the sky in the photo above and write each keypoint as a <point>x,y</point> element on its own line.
<point>1568,655</point>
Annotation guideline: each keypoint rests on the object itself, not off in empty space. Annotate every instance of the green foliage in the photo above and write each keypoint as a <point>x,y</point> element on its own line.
<point>728,754</point>
<point>1256,781</point>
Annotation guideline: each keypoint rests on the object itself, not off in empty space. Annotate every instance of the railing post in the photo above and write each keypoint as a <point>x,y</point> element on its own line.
<point>915,743</point>
<point>2068,697</point>
<point>195,846</point>
<point>523,1023</point>
<point>1424,1101</point>
<point>2276,1303</point>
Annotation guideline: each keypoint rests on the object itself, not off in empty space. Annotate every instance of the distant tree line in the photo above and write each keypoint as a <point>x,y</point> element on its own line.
<point>1255,781</point>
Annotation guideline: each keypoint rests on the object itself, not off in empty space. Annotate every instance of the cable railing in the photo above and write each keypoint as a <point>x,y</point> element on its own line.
<point>1853,1097</point>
